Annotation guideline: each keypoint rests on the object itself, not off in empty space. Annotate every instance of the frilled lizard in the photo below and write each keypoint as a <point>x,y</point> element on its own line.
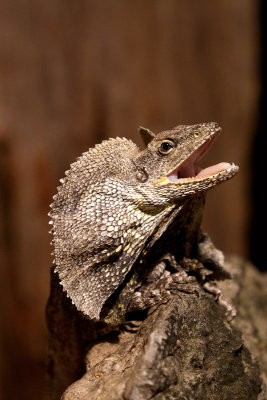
<point>126,223</point>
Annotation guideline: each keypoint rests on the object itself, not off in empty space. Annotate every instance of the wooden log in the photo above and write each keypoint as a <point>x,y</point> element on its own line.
<point>185,348</point>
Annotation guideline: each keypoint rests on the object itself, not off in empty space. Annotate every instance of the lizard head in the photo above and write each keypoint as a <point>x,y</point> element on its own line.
<point>171,158</point>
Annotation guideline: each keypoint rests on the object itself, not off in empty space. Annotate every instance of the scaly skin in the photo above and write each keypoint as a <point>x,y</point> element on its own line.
<point>117,213</point>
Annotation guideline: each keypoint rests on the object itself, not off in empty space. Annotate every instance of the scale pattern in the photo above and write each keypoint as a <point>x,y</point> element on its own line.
<point>99,229</point>
<point>109,207</point>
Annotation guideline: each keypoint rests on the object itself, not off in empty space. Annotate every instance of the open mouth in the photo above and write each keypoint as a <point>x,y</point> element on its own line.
<point>189,170</point>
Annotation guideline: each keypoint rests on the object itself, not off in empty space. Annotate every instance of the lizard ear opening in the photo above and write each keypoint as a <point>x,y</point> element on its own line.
<point>146,135</point>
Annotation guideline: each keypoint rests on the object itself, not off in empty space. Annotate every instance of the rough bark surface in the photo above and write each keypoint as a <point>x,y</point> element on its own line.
<point>184,349</point>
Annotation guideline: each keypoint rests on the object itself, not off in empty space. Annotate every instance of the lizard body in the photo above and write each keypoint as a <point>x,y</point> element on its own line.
<point>120,211</point>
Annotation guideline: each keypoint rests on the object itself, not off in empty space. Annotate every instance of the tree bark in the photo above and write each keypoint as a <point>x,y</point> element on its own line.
<point>183,349</point>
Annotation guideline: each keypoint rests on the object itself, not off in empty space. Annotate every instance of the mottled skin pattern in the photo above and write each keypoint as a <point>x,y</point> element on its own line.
<point>125,236</point>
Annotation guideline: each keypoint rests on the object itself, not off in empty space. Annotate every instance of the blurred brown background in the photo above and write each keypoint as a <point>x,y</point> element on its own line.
<point>75,72</point>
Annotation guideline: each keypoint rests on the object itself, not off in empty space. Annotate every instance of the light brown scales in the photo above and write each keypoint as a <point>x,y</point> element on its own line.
<point>113,200</point>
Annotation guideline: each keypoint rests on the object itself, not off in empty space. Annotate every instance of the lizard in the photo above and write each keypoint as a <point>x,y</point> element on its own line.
<point>126,222</point>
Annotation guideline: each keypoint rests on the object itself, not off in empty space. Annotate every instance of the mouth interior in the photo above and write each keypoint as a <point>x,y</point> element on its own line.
<point>189,168</point>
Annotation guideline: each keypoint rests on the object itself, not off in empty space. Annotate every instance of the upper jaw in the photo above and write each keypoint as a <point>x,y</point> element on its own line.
<point>189,171</point>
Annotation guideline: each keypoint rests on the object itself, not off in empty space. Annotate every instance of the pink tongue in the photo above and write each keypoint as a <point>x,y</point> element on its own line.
<point>214,169</point>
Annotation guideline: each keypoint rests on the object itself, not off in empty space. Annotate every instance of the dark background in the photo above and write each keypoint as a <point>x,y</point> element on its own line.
<point>75,72</point>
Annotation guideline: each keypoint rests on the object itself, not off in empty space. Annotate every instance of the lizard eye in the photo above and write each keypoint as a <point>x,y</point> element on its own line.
<point>166,147</point>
